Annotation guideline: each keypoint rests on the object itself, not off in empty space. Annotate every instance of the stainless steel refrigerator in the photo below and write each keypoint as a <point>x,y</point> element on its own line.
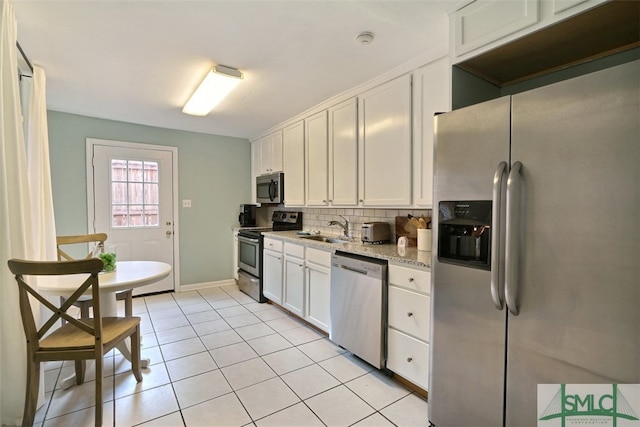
<point>537,274</point>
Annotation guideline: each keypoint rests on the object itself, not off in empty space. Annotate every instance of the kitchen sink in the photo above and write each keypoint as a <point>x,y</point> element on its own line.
<point>326,239</point>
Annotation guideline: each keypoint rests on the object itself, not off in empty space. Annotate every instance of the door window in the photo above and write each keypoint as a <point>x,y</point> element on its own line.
<point>134,193</point>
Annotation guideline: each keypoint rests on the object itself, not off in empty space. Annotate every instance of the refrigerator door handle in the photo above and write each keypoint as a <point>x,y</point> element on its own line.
<point>497,260</point>
<point>512,254</point>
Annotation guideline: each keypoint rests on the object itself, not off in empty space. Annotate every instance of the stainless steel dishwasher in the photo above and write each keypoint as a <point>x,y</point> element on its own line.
<point>359,306</point>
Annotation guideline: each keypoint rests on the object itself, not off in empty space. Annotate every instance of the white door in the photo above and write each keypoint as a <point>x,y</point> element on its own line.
<point>133,203</point>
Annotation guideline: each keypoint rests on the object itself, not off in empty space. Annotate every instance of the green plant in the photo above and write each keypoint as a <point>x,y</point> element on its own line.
<point>109,260</point>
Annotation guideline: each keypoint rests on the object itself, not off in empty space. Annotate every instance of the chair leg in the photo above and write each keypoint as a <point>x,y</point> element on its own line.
<point>84,309</point>
<point>31,395</point>
<point>127,296</point>
<point>99,373</point>
<point>135,354</point>
<point>81,367</point>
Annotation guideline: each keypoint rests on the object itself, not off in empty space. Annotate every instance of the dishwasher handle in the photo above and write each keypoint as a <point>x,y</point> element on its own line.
<point>355,270</point>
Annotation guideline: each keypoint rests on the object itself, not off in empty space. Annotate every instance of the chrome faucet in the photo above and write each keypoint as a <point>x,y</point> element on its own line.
<point>345,226</point>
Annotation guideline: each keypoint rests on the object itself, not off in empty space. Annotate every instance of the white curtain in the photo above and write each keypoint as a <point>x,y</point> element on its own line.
<point>44,226</point>
<point>26,210</point>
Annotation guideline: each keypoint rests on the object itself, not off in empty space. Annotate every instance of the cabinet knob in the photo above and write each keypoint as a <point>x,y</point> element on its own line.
<point>168,233</point>
<point>409,314</point>
<point>361,201</point>
<point>409,359</point>
<point>324,201</point>
<point>410,279</point>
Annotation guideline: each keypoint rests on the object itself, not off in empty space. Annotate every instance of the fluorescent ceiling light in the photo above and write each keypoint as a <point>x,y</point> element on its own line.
<point>215,86</point>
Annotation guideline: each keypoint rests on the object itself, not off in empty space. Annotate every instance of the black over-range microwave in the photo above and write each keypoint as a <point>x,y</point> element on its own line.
<point>270,188</point>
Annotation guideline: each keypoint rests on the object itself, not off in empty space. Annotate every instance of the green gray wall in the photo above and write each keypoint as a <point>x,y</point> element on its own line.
<point>213,171</point>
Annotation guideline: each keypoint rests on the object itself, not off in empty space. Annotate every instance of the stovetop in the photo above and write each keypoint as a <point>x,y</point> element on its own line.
<point>282,221</point>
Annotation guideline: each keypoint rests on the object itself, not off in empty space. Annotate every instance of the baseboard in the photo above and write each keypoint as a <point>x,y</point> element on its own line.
<point>204,285</point>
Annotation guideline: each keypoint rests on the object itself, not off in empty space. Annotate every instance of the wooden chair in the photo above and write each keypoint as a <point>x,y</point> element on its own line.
<point>78,339</point>
<point>99,238</point>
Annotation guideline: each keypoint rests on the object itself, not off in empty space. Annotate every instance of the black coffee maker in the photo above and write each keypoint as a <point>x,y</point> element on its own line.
<point>247,217</point>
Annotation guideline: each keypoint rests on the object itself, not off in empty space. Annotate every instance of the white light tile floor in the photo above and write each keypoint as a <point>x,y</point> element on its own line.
<point>218,358</point>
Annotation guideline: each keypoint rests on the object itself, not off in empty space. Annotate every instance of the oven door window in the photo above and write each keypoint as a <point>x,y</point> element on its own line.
<point>248,254</point>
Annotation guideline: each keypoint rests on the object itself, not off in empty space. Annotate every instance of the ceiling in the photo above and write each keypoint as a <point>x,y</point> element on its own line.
<point>139,61</point>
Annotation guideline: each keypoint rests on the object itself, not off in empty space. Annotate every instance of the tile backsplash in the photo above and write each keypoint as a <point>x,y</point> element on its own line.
<point>317,218</point>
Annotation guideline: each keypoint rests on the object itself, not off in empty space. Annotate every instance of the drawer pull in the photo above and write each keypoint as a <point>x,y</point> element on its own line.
<point>409,359</point>
<point>410,279</point>
<point>409,314</point>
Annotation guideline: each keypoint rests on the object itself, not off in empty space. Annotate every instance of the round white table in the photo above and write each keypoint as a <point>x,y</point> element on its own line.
<point>128,275</point>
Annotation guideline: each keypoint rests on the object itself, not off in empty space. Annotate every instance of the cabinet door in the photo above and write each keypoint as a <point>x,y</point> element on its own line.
<point>235,254</point>
<point>343,153</point>
<point>294,285</point>
<point>431,94</point>
<point>316,159</point>
<point>384,115</point>
<point>272,280</point>
<point>264,146</point>
<point>275,146</point>
<point>318,295</point>
<point>255,168</point>
<point>293,163</point>
<point>481,23</point>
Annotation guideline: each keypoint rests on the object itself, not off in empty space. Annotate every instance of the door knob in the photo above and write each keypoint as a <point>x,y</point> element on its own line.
<point>169,233</point>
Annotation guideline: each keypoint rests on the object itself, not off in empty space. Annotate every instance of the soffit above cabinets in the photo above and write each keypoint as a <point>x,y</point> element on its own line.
<point>607,29</point>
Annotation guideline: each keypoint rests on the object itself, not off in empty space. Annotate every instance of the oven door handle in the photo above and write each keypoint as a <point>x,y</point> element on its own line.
<point>248,239</point>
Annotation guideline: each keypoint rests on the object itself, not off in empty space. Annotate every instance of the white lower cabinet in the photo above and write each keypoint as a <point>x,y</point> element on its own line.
<point>272,264</point>
<point>235,254</point>
<point>318,284</point>
<point>299,279</point>
<point>408,357</point>
<point>294,274</point>
<point>409,318</point>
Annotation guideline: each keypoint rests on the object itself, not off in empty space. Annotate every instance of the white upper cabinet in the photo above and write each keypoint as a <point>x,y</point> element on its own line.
<point>486,24</point>
<point>317,156</point>
<point>482,22</point>
<point>255,166</point>
<point>343,153</point>
<point>431,94</point>
<point>293,163</point>
<point>384,116</point>
<point>271,153</point>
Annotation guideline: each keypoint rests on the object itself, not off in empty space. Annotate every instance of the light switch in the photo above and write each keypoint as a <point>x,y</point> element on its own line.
<point>186,203</point>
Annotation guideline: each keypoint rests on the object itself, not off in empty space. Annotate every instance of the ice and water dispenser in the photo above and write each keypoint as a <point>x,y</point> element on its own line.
<point>464,233</point>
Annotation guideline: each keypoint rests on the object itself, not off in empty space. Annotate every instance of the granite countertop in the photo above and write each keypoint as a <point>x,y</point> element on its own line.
<point>390,251</point>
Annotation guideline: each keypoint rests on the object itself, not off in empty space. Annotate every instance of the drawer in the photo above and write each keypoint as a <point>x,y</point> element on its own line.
<point>409,312</point>
<point>293,249</point>
<point>318,256</point>
<point>273,244</point>
<point>410,278</point>
<point>408,357</point>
